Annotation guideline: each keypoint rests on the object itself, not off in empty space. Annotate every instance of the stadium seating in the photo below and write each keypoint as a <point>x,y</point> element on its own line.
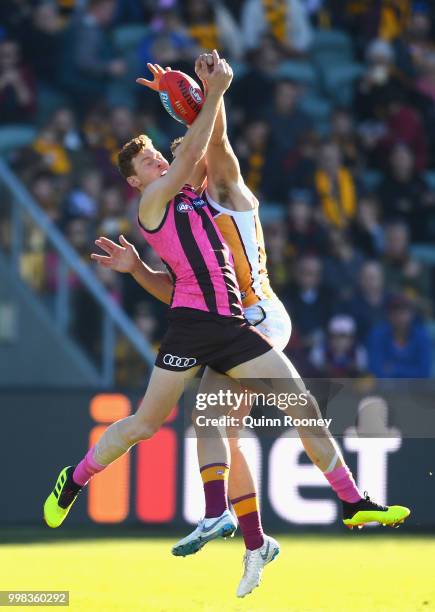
<point>15,136</point>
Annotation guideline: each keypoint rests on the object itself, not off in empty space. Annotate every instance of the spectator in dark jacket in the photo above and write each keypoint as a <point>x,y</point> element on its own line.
<point>309,302</point>
<point>89,62</point>
<point>42,42</point>
<point>305,235</point>
<point>339,355</point>
<point>403,190</point>
<point>400,347</point>
<point>368,305</point>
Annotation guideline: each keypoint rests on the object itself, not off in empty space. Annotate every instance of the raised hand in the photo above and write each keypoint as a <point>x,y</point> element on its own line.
<point>121,258</point>
<point>221,74</point>
<point>203,66</point>
<point>157,72</point>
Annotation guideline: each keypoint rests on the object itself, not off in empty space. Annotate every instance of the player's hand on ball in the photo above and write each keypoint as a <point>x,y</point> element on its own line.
<point>220,76</point>
<point>121,257</point>
<point>157,72</point>
<point>203,66</point>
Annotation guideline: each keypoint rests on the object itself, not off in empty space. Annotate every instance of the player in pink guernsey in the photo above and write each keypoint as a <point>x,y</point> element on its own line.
<point>209,333</point>
<point>199,261</point>
<point>206,326</point>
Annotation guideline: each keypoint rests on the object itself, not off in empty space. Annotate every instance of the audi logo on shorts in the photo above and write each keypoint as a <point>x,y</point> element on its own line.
<point>178,362</point>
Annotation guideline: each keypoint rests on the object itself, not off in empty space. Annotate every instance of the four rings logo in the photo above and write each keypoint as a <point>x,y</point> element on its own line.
<point>178,362</point>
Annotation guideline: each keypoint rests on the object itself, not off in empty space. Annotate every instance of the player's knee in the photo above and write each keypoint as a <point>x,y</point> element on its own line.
<point>142,430</point>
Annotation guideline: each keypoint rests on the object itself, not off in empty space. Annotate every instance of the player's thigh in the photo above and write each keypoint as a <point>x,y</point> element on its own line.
<point>271,371</point>
<point>163,392</point>
<point>231,396</point>
<point>235,401</point>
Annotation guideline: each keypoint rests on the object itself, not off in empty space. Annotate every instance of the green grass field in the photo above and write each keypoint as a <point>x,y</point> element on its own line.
<point>311,574</point>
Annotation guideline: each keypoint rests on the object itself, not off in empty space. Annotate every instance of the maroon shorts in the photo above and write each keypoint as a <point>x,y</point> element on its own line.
<point>197,338</point>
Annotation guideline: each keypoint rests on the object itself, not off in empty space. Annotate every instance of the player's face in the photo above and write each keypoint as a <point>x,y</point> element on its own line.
<point>149,165</point>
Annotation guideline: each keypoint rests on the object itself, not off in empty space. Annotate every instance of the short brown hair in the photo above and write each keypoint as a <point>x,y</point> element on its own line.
<point>175,143</point>
<point>129,152</point>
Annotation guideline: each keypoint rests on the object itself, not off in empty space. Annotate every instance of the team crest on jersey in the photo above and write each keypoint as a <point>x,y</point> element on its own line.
<point>198,203</point>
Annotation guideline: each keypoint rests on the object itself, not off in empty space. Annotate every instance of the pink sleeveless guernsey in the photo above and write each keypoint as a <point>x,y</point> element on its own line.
<point>199,261</point>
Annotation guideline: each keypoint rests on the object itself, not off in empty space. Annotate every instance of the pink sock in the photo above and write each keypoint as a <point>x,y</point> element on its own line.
<point>341,480</point>
<point>87,468</point>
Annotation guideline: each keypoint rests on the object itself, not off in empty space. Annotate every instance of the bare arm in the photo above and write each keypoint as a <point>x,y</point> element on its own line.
<point>155,282</point>
<point>192,149</point>
<point>124,257</point>
<point>224,179</point>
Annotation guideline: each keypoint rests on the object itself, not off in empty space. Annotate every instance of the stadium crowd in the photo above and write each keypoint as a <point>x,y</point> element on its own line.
<point>331,113</point>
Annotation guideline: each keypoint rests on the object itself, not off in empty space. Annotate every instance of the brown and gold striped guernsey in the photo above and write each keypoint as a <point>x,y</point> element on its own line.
<point>243,233</point>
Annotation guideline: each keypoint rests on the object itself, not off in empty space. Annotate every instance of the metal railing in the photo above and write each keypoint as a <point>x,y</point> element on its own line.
<point>114,318</point>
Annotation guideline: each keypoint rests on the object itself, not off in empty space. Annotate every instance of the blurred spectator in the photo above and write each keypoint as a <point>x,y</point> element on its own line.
<point>89,63</point>
<point>114,220</point>
<point>402,191</point>
<point>366,230</point>
<point>106,138</point>
<point>384,18</point>
<point>168,43</point>
<point>425,83</point>
<point>212,26</point>
<point>335,187</point>
<point>402,271</point>
<point>42,42</point>
<point>403,125</point>
<point>44,190</point>
<point>344,134</point>
<point>49,145</point>
<point>304,234</point>
<point>368,304</point>
<point>255,152</point>
<point>339,355</point>
<point>287,122</point>
<point>309,302</point>
<point>300,163</point>
<point>342,266</point>
<point>17,87</point>
<point>78,234</point>
<point>400,347</point>
<point>83,200</point>
<point>377,86</point>
<point>279,256</point>
<point>285,20</point>
<point>419,35</point>
<point>257,82</point>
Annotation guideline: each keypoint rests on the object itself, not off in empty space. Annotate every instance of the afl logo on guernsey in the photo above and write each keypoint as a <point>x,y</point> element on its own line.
<point>184,207</point>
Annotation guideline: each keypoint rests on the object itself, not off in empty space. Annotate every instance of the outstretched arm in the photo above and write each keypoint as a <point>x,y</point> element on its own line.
<point>223,169</point>
<point>193,147</point>
<point>124,257</point>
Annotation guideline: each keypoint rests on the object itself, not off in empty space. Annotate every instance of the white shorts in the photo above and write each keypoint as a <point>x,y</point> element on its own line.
<point>272,320</point>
